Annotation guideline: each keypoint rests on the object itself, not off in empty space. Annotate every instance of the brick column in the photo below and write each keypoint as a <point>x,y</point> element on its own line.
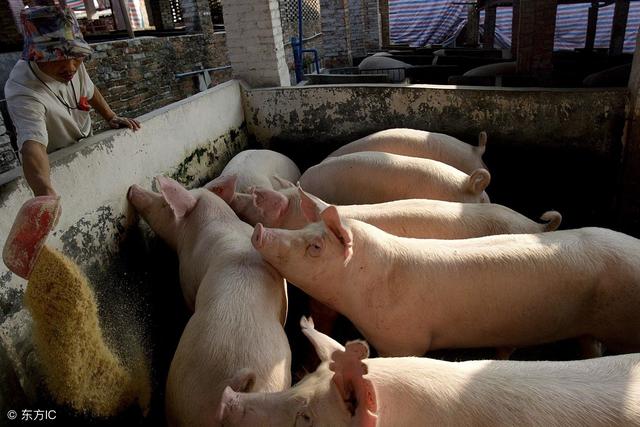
<point>372,24</point>
<point>254,40</point>
<point>473,25</point>
<point>489,27</point>
<point>592,22</point>
<point>335,33</point>
<point>196,15</point>
<point>629,188</point>
<point>535,39</point>
<point>619,26</point>
<point>357,27</point>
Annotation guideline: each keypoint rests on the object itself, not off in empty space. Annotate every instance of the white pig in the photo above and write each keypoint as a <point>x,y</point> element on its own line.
<point>420,143</point>
<point>348,389</point>
<point>239,301</point>
<point>259,168</point>
<point>376,177</point>
<point>407,296</point>
<point>421,218</point>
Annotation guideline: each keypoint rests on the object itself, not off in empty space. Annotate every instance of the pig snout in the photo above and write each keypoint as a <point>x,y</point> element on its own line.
<point>257,239</point>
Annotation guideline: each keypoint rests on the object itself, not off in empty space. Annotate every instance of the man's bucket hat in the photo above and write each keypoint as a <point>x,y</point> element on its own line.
<point>52,33</point>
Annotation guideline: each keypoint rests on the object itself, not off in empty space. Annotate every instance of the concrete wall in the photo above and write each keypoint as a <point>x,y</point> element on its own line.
<point>191,141</point>
<point>548,148</point>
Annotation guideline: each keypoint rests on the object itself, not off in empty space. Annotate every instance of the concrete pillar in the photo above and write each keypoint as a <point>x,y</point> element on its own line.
<point>254,40</point>
<point>196,15</point>
<point>473,25</point>
<point>618,27</point>
<point>336,39</point>
<point>489,27</point>
<point>515,27</point>
<point>357,9</point>
<point>384,22</point>
<point>535,39</point>
<point>373,36</point>
<point>592,23</point>
<point>629,188</point>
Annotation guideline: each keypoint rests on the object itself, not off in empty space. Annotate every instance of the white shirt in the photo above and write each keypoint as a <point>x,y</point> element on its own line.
<point>39,115</point>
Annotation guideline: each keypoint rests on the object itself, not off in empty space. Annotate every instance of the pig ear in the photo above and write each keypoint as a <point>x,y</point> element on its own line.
<point>283,182</point>
<point>353,387</point>
<point>243,381</point>
<point>271,203</point>
<point>332,220</point>
<point>224,187</point>
<point>324,345</point>
<point>479,181</point>
<point>178,197</point>
<point>311,206</point>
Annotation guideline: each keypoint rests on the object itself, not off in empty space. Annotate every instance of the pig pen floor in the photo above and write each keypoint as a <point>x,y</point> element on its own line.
<point>149,269</point>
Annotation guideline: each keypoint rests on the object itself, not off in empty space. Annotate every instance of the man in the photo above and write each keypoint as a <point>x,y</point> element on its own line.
<point>49,93</point>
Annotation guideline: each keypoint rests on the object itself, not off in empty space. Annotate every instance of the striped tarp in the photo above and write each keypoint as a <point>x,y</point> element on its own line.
<point>422,22</point>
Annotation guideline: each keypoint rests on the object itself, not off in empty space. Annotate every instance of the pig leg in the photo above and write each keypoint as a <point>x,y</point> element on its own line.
<point>504,353</point>
<point>589,347</point>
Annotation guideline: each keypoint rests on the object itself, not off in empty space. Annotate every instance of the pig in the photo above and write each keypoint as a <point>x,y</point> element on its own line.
<point>420,143</point>
<point>259,168</point>
<point>420,218</point>
<point>239,302</point>
<point>376,177</point>
<point>408,296</point>
<point>350,389</point>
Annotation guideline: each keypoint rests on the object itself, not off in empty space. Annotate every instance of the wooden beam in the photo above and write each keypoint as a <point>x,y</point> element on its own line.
<point>489,27</point>
<point>618,27</point>
<point>628,205</point>
<point>592,23</point>
<point>127,19</point>
<point>384,22</point>
<point>473,25</point>
<point>515,28</point>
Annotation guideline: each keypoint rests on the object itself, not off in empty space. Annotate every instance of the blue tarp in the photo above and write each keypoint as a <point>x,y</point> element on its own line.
<point>422,22</point>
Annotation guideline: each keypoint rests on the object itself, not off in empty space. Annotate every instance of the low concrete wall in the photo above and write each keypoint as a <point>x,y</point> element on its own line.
<point>548,148</point>
<point>191,141</point>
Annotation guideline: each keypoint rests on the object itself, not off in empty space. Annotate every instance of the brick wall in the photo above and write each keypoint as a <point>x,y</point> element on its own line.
<point>8,159</point>
<point>336,33</point>
<point>138,76</point>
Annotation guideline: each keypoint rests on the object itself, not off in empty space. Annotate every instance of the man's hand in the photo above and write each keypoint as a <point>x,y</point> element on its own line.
<point>120,122</point>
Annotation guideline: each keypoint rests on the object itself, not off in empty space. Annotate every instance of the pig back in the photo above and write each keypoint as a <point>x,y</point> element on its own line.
<point>423,144</point>
<point>376,177</point>
<point>256,168</point>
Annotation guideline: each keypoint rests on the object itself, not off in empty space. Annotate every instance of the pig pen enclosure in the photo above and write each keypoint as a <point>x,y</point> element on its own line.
<point>547,149</point>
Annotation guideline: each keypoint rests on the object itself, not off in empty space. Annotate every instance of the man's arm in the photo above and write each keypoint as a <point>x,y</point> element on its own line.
<point>35,164</point>
<point>100,105</point>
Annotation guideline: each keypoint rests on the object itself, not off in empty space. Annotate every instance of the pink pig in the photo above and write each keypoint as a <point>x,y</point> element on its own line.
<point>259,168</point>
<point>407,296</point>
<point>348,389</point>
<point>239,302</point>
<point>421,218</point>
<point>376,177</point>
<point>420,143</point>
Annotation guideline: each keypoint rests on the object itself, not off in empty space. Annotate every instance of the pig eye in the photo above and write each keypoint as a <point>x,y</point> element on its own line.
<point>315,248</point>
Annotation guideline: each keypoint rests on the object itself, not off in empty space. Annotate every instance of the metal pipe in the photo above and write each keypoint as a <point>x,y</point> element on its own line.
<point>316,57</point>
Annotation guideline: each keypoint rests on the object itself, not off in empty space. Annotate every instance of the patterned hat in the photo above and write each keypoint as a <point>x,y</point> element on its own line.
<point>52,33</point>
